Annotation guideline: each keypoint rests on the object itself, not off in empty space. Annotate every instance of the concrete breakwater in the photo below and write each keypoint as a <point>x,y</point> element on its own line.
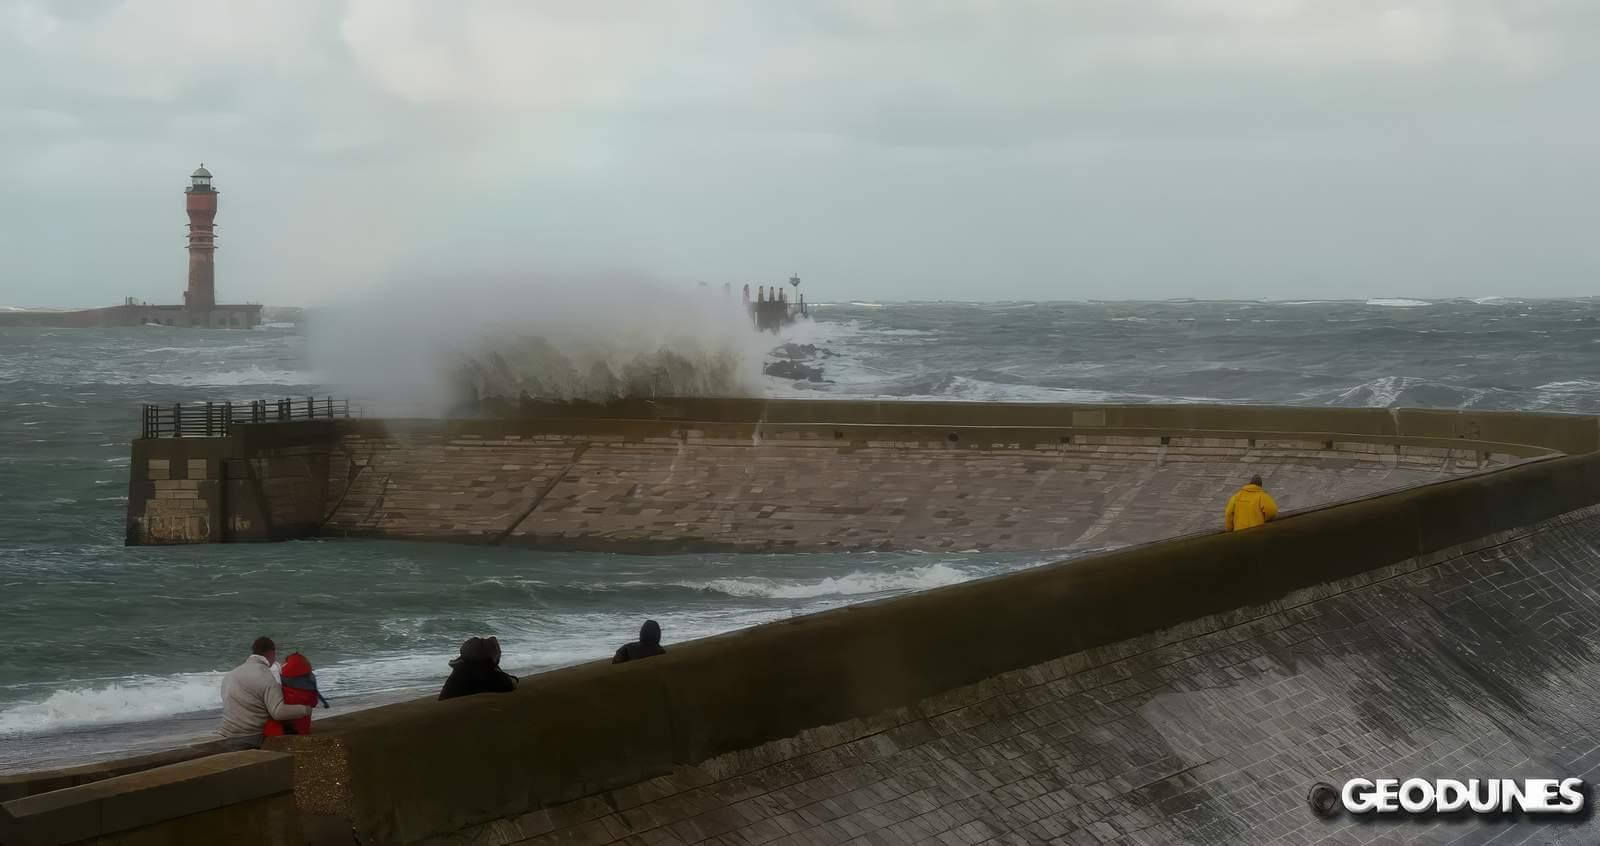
<point>1182,691</point>
<point>796,476</point>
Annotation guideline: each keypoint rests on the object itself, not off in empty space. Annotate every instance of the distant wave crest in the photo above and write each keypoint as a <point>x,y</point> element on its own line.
<point>852,584</point>
<point>1398,302</point>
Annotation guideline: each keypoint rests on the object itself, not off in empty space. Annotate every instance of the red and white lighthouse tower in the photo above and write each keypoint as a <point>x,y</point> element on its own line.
<point>200,199</point>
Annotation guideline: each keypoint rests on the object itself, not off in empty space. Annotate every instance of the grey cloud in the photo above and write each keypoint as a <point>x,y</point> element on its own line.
<point>883,149</point>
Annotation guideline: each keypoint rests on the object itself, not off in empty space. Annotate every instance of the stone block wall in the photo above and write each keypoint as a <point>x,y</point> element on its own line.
<point>175,492</point>
<point>276,482</point>
<point>818,488</point>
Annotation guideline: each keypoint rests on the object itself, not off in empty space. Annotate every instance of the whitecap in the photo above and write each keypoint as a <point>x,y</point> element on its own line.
<point>1570,386</point>
<point>852,584</point>
<point>1398,302</point>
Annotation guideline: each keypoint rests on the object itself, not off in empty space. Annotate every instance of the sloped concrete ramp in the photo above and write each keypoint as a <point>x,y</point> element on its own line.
<point>1482,661</point>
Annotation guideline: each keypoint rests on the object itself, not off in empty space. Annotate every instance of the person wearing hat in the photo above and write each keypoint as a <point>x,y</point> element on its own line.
<point>477,670</point>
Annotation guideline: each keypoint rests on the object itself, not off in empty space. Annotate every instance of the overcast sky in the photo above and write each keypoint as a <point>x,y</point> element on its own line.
<point>882,149</point>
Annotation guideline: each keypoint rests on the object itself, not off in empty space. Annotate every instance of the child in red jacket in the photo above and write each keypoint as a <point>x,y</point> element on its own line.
<point>299,688</point>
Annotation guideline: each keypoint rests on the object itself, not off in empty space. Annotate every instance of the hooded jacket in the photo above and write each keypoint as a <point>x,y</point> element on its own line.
<point>299,688</point>
<point>648,644</point>
<point>477,670</point>
<point>251,697</point>
<point>1248,508</point>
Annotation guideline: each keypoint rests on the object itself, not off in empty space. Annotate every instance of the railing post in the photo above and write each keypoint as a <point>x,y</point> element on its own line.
<point>227,418</point>
<point>177,420</point>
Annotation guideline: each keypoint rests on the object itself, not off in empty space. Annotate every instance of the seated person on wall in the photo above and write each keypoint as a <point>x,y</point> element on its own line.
<point>477,670</point>
<point>251,697</point>
<point>299,688</point>
<point>648,644</point>
<point>1249,507</point>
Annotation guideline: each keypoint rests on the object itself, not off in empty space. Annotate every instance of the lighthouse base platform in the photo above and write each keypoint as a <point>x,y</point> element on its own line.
<point>241,316</point>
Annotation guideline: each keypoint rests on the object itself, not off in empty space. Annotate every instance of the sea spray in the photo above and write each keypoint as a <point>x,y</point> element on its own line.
<point>426,348</point>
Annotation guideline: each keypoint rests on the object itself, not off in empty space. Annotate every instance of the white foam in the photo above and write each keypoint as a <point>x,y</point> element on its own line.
<point>252,375</point>
<point>131,700</point>
<point>1398,302</point>
<point>853,584</point>
<point>1380,393</point>
<point>867,305</point>
<point>1570,386</point>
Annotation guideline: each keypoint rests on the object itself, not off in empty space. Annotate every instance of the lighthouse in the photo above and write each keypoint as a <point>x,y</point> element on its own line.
<point>200,308</point>
<point>200,199</point>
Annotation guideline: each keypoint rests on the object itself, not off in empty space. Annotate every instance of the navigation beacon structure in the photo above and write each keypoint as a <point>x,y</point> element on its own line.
<point>200,308</point>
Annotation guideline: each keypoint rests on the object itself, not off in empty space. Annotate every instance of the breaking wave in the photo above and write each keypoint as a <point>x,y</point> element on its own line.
<point>852,584</point>
<point>568,339</point>
<point>131,700</point>
<point>511,363</point>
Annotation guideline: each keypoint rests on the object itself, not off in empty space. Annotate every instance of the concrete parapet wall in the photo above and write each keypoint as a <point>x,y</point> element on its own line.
<point>578,746</point>
<point>1471,661</point>
<point>19,785</point>
<point>1567,433</point>
<point>235,798</point>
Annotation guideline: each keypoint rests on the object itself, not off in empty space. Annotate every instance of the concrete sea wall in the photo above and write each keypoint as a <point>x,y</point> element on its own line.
<point>1446,628</point>
<point>749,475</point>
<point>1183,691</point>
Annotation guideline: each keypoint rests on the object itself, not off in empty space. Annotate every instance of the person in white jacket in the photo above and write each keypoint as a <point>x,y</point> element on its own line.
<point>251,695</point>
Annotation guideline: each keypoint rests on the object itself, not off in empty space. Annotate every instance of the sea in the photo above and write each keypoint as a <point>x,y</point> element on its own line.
<point>108,650</point>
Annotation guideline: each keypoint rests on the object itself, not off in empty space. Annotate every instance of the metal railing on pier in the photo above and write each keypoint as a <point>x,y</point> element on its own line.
<point>215,419</point>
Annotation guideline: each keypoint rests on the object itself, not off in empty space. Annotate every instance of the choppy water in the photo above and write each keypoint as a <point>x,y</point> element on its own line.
<point>108,648</point>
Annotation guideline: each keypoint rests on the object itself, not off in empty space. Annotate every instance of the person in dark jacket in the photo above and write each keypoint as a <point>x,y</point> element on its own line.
<point>477,670</point>
<point>648,644</point>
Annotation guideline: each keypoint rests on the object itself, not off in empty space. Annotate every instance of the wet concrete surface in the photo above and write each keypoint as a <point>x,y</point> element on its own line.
<point>1480,662</point>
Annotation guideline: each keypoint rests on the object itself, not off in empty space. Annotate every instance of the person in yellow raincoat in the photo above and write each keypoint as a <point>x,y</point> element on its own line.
<point>1250,507</point>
